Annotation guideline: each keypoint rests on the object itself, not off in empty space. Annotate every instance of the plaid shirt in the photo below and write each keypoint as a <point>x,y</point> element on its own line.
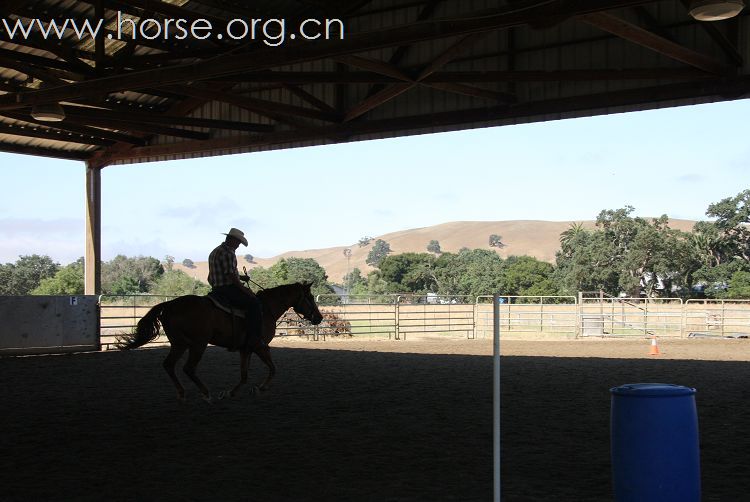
<point>222,266</point>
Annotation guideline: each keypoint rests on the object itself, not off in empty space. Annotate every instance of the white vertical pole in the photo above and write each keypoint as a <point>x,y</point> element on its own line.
<point>496,394</point>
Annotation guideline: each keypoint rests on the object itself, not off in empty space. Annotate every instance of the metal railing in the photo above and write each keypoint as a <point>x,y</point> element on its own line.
<point>726,318</point>
<point>401,316</point>
<point>621,317</point>
<point>119,315</point>
<point>537,315</point>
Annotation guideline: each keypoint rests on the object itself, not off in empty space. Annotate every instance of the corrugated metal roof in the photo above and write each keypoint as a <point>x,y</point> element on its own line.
<point>405,67</point>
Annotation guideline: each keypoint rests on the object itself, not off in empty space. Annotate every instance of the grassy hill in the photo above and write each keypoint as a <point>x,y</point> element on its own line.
<point>540,239</point>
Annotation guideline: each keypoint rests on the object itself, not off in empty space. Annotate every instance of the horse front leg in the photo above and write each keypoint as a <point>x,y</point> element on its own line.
<point>264,352</point>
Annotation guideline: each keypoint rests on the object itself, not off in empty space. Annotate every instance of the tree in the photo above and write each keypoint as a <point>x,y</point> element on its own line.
<point>527,276</point>
<point>626,254</point>
<point>364,241</point>
<point>732,218</point>
<point>26,274</point>
<point>434,247</point>
<point>739,285</point>
<point>354,283</point>
<point>125,276</point>
<point>187,262</point>
<point>290,270</point>
<point>69,280</point>
<point>496,241</point>
<point>169,260</point>
<point>568,237</point>
<point>249,258</point>
<point>379,250</point>
<point>408,273</point>
<point>178,283</point>
<point>471,272</point>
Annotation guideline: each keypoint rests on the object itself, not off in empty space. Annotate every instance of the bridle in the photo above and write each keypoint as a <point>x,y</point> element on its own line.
<point>303,307</point>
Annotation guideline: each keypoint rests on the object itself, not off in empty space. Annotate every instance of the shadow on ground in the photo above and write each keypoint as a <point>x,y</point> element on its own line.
<point>340,425</point>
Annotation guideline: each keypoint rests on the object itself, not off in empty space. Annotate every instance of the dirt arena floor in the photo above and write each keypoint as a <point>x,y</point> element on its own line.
<point>357,421</point>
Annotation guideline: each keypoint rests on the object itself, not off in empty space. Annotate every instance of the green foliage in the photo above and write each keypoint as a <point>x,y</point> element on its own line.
<point>364,241</point>
<point>124,276</point>
<point>496,241</point>
<point>434,247</point>
<point>69,280</point>
<point>249,258</point>
<point>187,262</point>
<point>354,283</point>
<point>178,283</point>
<point>470,272</point>
<point>527,276</point>
<point>408,272</point>
<point>289,270</point>
<point>26,274</point>
<point>624,254</point>
<point>739,285</point>
<point>379,251</point>
<point>722,247</point>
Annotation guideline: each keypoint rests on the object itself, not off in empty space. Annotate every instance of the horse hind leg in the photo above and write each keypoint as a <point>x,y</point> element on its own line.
<point>244,364</point>
<point>175,353</point>
<point>194,357</point>
<point>264,352</point>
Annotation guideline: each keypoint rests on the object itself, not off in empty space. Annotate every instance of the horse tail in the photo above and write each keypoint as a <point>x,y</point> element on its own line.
<point>146,330</point>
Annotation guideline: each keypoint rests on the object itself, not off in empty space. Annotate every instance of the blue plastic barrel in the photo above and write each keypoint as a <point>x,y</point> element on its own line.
<point>654,439</point>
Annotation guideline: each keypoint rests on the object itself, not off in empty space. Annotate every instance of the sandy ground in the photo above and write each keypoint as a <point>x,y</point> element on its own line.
<point>357,420</point>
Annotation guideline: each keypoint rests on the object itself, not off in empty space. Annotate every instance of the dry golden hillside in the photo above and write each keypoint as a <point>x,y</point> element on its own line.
<point>540,239</point>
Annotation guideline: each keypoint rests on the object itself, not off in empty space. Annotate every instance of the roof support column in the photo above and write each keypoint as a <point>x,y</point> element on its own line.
<point>93,259</point>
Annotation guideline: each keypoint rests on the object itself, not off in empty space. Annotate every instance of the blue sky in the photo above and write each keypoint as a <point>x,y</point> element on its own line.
<point>675,161</point>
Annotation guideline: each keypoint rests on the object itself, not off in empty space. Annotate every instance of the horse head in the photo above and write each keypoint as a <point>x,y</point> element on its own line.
<point>306,306</point>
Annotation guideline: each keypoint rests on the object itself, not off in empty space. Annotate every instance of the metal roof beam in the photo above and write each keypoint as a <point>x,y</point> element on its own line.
<point>52,134</point>
<point>727,88</point>
<point>164,119</point>
<point>39,151</point>
<point>394,90</point>
<point>123,124</point>
<point>398,55</point>
<point>261,106</point>
<point>296,53</point>
<point>355,77</point>
<point>93,132</point>
<point>644,38</point>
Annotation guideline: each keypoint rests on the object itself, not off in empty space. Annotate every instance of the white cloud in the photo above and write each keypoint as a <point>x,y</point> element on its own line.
<point>61,239</point>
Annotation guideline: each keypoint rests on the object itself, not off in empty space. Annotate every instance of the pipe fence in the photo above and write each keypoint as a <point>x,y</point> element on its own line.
<point>407,316</point>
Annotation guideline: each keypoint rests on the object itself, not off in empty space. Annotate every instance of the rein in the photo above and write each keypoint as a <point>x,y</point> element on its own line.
<point>244,271</point>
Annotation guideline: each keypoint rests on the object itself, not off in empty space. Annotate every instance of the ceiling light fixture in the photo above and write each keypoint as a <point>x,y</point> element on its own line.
<point>48,112</point>
<point>715,10</point>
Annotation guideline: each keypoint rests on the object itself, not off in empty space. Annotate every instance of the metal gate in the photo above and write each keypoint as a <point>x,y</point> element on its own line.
<point>623,317</point>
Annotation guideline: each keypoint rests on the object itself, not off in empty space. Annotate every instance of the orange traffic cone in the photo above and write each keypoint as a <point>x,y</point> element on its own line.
<point>654,347</point>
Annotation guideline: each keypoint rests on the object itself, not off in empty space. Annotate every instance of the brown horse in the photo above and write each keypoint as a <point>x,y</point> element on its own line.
<point>192,322</point>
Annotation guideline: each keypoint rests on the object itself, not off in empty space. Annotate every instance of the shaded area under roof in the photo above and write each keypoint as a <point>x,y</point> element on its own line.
<point>401,67</point>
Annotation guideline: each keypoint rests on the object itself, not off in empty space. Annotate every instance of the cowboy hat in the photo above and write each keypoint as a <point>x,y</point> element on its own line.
<point>237,234</point>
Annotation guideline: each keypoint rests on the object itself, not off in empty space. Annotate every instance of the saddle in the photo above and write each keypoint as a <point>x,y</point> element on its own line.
<point>224,304</point>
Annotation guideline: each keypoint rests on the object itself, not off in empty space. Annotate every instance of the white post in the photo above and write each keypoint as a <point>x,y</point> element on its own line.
<point>496,395</point>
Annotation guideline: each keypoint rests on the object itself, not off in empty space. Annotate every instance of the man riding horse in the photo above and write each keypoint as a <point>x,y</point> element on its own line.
<point>226,284</point>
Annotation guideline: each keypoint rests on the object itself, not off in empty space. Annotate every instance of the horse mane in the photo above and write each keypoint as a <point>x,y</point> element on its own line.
<point>277,290</point>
